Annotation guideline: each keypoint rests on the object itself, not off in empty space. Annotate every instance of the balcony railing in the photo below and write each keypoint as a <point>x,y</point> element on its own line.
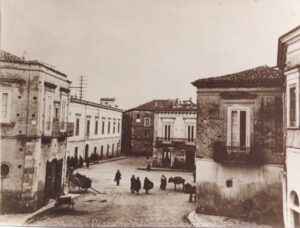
<point>222,153</point>
<point>175,142</point>
<point>59,129</point>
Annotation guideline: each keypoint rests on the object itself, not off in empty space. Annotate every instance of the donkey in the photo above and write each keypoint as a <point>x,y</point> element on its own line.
<point>189,189</point>
<point>177,180</point>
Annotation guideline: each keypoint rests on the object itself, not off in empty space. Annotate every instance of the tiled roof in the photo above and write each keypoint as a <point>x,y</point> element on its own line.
<point>262,76</point>
<point>166,105</point>
<point>8,57</point>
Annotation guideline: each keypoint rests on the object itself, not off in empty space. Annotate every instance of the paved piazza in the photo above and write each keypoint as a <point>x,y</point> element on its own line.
<point>118,207</point>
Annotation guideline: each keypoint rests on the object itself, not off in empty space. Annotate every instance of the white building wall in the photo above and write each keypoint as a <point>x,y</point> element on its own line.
<point>179,122</point>
<point>108,140</point>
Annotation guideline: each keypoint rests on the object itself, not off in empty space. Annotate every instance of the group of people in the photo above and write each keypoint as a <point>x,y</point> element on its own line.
<point>135,185</point>
<point>75,162</point>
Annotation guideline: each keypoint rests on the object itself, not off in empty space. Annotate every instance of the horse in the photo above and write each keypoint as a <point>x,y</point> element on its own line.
<point>189,189</point>
<point>177,180</point>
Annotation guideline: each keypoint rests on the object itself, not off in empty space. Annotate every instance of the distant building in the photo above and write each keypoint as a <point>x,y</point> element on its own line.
<point>289,63</point>
<point>143,129</point>
<point>175,136</point>
<point>34,130</point>
<point>239,133</point>
<point>97,130</point>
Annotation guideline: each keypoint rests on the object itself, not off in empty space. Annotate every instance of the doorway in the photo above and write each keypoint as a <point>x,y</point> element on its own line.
<point>86,152</point>
<point>53,179</point>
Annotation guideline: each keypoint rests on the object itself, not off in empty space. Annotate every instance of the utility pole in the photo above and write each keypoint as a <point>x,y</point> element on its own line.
<point>81,88</point>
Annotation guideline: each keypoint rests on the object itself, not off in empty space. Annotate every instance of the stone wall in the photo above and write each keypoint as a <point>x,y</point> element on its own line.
<point>266,119</point>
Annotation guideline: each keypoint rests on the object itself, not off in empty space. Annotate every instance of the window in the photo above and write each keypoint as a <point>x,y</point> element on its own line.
<point>56,111</point>
<point>87,128</point>
<point>77,126</point>
<point>95,150</point>
<point>114,127</point>
<point>5,104</point>
<point>292,98</point>
<point>4,170</point>
<point>76,152</point>
<point>48,111</point>
<point>238,132</point>
<point>96,127</point>
<point>146,135</point>
<point>292,105</point>
<point>138,120</point>
<point>229,183</point>
<point>118,127</point>
<point>108,128</point>
<point>147,122</point>
<point>103,126</point>
<point>167,132</point>
<point>63,114</point>
<point>190,133</point>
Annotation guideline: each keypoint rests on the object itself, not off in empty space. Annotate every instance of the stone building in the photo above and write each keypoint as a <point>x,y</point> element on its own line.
<point>175,136</point>
<point>137,135</point>
<point>239,134</point>
<point>34,130</point>
<point>289,62</point>
<point>138,127</point>
<point>97,129</point>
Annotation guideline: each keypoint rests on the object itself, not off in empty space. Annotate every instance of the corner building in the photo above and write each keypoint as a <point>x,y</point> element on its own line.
<point>34,130</point>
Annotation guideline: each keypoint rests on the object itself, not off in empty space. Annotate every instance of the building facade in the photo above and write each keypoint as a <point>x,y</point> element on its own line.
<point>289,62</point>
<point>34,130</point>
<point>239,135</point>
<point>138,128</point>
<point>97,130</point>
<point>175,136</point>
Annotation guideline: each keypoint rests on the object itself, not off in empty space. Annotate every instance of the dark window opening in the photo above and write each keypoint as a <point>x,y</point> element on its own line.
<point>4,170</point>
<point>243,130</point>
<point>229,183</point>
<point>293,106</point>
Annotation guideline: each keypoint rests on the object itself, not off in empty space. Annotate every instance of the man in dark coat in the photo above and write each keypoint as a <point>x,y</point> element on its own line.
<point>138,185</point>
<point>163,182</point>
<point>118,177</point>
<point>80,162</point>
<point>147,185</point>
<point>132,183</point>
<point>87,161</point>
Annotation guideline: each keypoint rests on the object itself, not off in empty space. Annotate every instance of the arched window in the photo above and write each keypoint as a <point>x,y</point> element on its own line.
<point>4,170</point>
<point>294,198</point>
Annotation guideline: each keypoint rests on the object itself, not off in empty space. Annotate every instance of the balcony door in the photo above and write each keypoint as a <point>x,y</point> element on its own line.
<point>167,132</point>
<point>238,131</point>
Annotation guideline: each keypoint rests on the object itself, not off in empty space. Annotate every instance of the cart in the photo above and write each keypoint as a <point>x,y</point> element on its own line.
<point>78,183</point>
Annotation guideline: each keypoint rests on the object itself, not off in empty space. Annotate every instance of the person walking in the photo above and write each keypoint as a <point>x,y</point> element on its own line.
<point>148,167</point>
<point>138,185</point>
<point>163,182</point>
<point>87,161</point>
<point>147,185</point>
<point>132,183</point>
<point>118,177</point>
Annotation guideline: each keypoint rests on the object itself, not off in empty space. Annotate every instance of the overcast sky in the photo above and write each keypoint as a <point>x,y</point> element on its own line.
<point>139,50</point>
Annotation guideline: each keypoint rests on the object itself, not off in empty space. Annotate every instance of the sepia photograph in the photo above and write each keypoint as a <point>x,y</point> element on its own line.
<point>150,113</point>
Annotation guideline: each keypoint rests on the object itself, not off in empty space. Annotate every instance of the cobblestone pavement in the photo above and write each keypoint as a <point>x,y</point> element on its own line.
<point>120,208</point>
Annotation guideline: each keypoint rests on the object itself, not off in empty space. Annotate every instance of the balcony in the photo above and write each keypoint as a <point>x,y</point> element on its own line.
<point>60,130</point>
<point>182,143</point>
<point>235,154</point>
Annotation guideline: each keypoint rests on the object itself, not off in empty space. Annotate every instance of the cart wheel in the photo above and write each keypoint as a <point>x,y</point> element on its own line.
<point>72,187</point>
<point>255,216</point>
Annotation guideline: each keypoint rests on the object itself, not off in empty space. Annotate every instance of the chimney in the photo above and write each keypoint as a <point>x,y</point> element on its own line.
<point>108,101</point>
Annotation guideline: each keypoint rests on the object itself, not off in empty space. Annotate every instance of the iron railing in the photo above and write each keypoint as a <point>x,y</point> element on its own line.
<point>174,141</point>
